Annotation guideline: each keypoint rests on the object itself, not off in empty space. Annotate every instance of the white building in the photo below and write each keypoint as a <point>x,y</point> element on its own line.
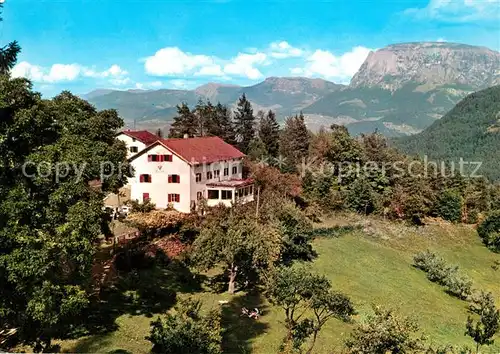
<point>136,140</point>
<point>181,172</point>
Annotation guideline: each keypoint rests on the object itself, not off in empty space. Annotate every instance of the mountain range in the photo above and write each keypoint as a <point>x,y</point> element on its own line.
<point>399,90</point>
<point>470,131</point>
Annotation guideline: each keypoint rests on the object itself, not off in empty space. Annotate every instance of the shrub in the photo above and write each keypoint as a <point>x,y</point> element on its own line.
<point>439,272</point>
<point>489,230</point>
<point>386,332</point>
<point>459,285</point>
<point>138,207</point>
<point>449,205</point>
<point>187,331</point>
<point>361,197</point>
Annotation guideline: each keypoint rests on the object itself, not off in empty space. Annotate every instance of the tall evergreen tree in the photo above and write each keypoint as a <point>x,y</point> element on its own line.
<point>159,133</point>
<point>294,142</point>
<point>244,122</point>
<point>208,120</point>
<point>269,133</point>
<point>8,54</point>
<point>225,124</point>
<point>185,122</point>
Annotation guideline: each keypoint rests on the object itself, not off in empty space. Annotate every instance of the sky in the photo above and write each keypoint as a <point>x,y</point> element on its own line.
<point>151,44</point>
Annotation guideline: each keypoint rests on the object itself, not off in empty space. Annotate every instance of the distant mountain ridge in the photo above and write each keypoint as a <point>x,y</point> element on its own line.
<point>155,108</point>
<point>403,88</point>
<point>471,131</point>
<point>431,64</point>
<point>399,90</point>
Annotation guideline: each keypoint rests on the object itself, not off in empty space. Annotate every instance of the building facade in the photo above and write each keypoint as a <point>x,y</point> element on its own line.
<point>180,173</point>
<point>136,140</point>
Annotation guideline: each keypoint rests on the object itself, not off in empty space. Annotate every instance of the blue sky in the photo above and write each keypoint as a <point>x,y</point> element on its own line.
<point>150,44</point>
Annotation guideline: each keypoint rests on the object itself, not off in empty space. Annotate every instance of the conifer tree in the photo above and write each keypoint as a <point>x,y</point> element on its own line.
<point>269,133</point>
<point>185,122</point>
<point>244,121</point>
<point>294,142</point>
<point>225,123</point>
<point>159,133</point>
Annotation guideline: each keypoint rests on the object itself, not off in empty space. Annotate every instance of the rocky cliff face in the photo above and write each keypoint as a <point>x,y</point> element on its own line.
<point>429,63</point>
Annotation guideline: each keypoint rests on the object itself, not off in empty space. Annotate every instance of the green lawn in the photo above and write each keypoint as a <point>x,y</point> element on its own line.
<point>372,265</point>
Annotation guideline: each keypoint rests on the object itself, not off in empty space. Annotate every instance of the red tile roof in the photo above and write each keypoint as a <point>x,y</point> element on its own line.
<point>203,149</point>
<point>142,135</point>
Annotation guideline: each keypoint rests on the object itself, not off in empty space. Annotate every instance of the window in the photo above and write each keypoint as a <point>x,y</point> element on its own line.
<point>153,158</point>
<point>250,190</point>
<point>213,194</point>
<point>134,140</point>
<point>227,195</point>
<point>167,158</point>
<point>145,178</point>
<point>226,171</point>
<point>209,175</point>
<point>199,195</point>
<point>235,170</point>
<point>174,179</point>
<point>246,191</point>
<point>216,173</point>
<point>240,192</point>
<point>198,177</point>
<point>134,149</point>
<point>174,198</point>
<point>145,197</point>
<point>159,158</point>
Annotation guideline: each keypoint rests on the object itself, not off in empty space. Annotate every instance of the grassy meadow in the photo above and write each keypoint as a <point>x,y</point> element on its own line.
<point>371,263</point>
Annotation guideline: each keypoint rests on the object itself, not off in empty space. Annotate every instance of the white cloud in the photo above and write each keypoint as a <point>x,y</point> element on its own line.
<point>244,65</point>
<point>210,70</point>
<point>113,71</point>
<point>67,72</point>
<point>119,82</point>
<point>147,85</point>
<point>62,72</point>
<point>173,61</point>
<point>325,64</point>
<point>457,10</point>
<point>282,50</point>
<point>27,70</point>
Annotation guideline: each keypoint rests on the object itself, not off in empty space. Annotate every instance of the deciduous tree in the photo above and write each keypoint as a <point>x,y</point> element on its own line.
<point>239,242</point>
<point>50,215</point>
<point>301,293</point>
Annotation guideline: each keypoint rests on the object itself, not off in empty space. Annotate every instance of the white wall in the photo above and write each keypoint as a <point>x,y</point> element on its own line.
<point>130,142</point>
<point>159,188</point>
<point>203,169</point>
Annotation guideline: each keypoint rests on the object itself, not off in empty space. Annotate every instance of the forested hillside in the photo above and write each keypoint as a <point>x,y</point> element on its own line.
<point>471,130</point>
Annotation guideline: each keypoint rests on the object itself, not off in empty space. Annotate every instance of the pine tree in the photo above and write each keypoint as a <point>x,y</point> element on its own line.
<point>159,133</point>
<point>8,54</point>
<point>185,122</point>
<point>294,142</point>
<point>269,133</point>
<point>225,124</point>
<point>244,124</point>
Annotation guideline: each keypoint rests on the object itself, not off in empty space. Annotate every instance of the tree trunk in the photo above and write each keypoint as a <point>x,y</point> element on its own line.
<point>258,202</point>
<point>315,335</point>
<point>233,271</point>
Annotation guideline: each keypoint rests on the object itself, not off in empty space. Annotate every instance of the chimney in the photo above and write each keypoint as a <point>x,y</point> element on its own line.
<point>186,136</point>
